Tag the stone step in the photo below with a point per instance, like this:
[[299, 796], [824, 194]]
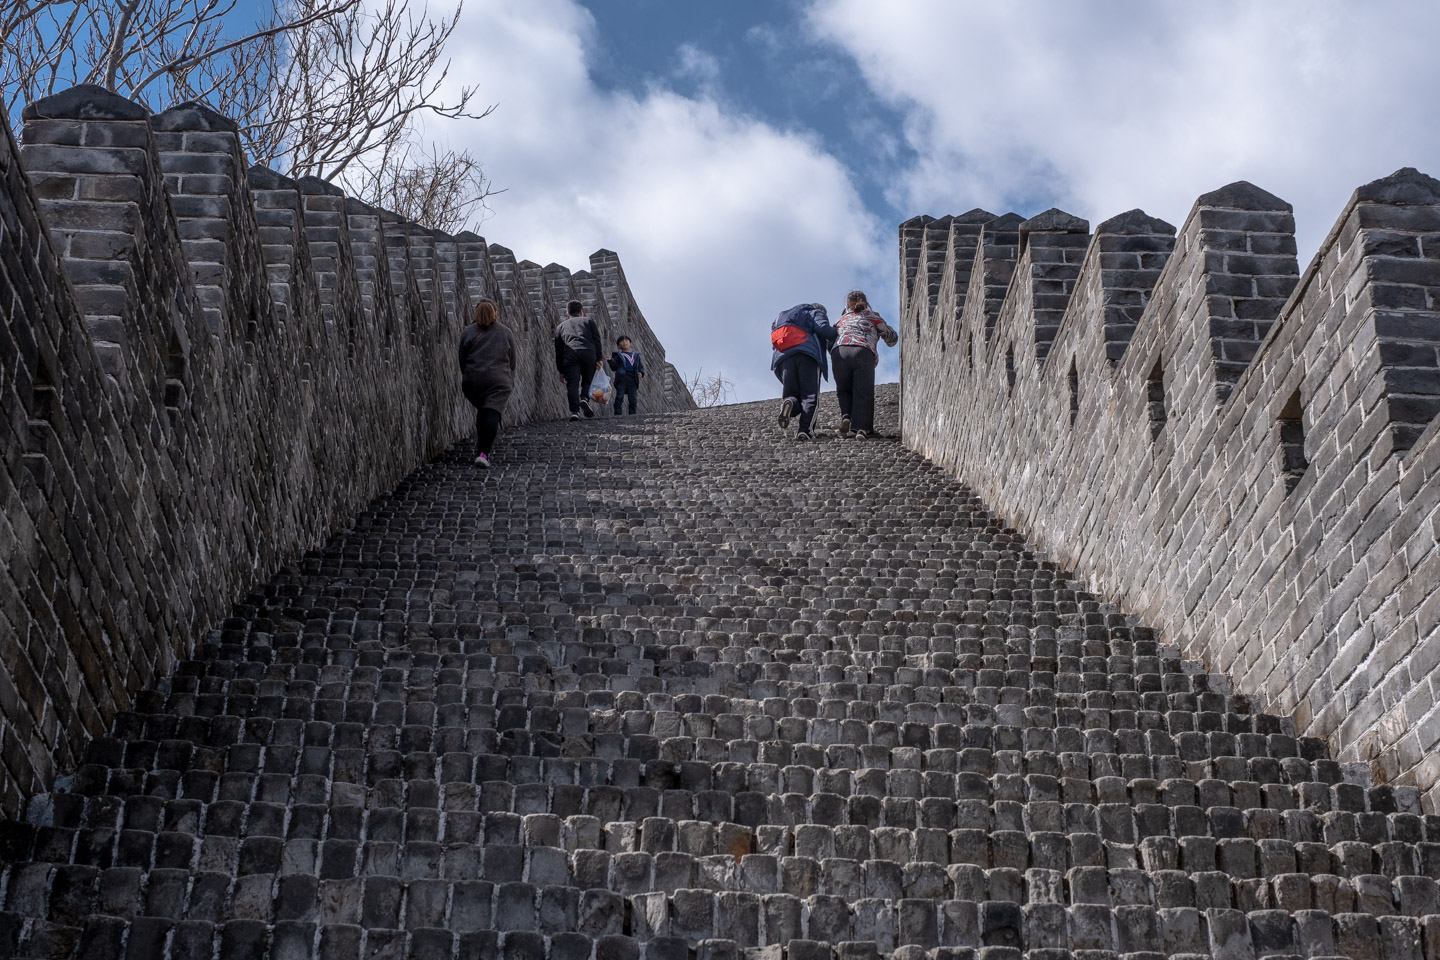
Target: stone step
[[465, 755], [682, 926], [509, 847], [767, 793], [813, 715]]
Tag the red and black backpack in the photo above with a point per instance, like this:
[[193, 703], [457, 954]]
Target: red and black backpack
[[787, 330]]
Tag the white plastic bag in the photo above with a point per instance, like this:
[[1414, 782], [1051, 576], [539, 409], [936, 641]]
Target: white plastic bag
[[600, 387]]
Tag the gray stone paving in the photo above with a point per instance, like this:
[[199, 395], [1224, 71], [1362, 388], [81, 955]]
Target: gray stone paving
[[677, 687]]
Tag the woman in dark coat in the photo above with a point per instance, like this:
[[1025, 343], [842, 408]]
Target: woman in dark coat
[[487, 371]]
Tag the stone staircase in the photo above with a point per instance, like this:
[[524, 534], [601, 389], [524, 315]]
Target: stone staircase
[[675, 687]]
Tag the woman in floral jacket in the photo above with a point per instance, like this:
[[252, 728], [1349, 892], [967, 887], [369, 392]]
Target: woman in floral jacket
[[854, 358]]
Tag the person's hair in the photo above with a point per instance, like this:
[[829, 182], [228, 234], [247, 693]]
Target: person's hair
[[486, 313], [575, 307], [622, 338], [855, 300]]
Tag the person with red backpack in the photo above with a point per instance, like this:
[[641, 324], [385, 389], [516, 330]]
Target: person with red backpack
[[800, 339]]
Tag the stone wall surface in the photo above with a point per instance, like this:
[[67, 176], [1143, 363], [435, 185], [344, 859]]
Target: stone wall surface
[[206, 370], [1242, 454]]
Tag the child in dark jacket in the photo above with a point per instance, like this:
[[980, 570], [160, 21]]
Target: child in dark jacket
[[627, 370]]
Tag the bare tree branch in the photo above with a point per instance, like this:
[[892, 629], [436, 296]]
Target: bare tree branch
[[128, 46], [189, 58], [710, 391], [325, 88], [443, 190], [351, 86]]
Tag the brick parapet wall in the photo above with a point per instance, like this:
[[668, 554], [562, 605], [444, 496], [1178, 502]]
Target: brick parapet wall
[[205, 370], [1237, 452]]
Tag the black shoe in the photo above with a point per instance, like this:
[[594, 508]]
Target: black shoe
[[586, 408], [574, 416], [845, 426], [802, 436], [787, 410]]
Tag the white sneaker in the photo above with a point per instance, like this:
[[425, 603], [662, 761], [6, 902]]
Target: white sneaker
[[844, 426], [574, 416], [482, 461], [802, 436]]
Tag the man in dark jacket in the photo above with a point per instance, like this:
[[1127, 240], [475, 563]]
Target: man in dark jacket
[[577, 357], [800, 367]]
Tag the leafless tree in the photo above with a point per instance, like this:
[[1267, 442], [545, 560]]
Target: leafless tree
[[151, 51], [711, 390], [347, 89], [441, 189], [324, 88]]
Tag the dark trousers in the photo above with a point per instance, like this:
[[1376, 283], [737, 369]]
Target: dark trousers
[[800, 378], [579, 370], [627, 387], [487, 422], [855, 385]]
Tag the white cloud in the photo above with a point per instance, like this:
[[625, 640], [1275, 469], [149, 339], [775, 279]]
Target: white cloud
[[698, 65], [1109, 105], [720, 220]]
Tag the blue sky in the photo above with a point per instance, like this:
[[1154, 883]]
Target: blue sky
[[759, 58]]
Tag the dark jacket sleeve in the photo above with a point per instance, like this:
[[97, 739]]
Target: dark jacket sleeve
[[592, 333], [559, 353], [514, 359], [824, 331], [464, 348], [614, 361]]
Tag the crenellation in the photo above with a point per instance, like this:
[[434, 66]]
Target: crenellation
[[205, 178], [1224, 446], [604, 265], [327, 234], [966, 232], [422, 257], [372, 266], [1051, 250], [454, 290], [101, 207], [995, 260], [545, 310], [1250, 270], [936, 245], [478, 271], [205, 370], [1133, 249], [503, 265], [912, 242], [279, 218]]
